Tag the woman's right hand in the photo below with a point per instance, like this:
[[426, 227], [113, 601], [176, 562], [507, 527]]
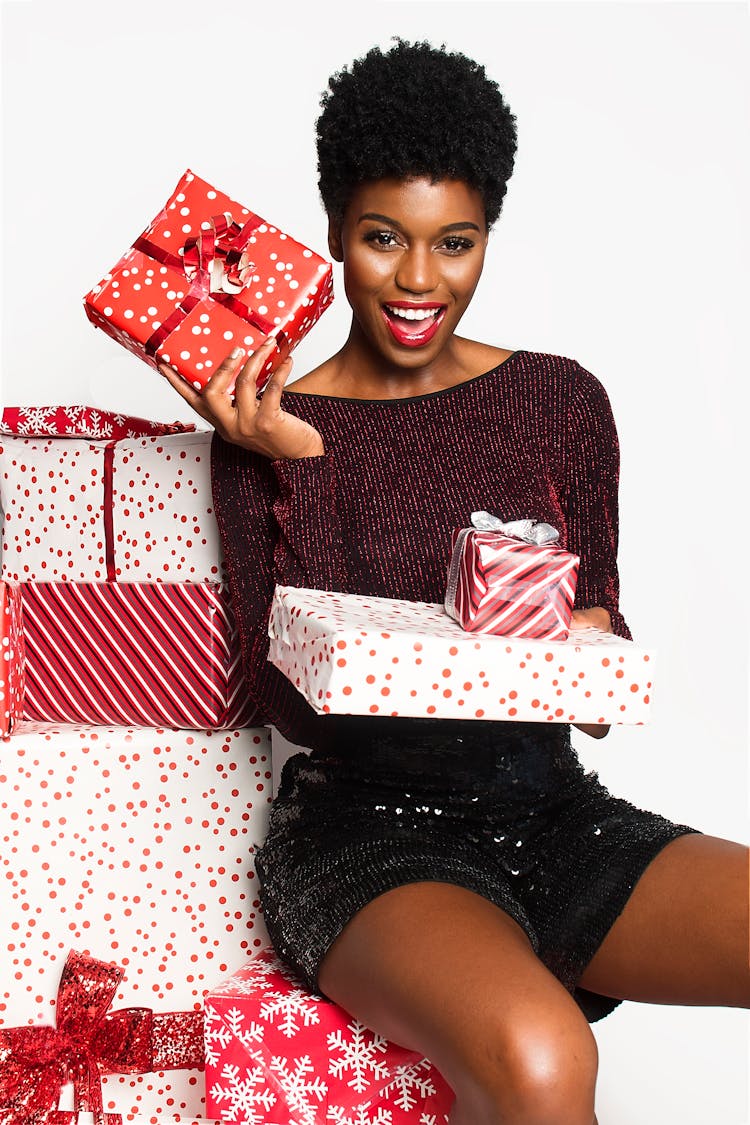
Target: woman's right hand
[[245, 419]]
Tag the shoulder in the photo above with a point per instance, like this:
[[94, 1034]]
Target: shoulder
[[562, 378]]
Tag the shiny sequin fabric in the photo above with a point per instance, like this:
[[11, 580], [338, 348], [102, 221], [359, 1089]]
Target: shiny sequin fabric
[[502, 809]]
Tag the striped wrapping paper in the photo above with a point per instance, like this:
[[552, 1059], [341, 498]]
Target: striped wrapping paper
[[133, 654], [502, 585], [11, 657]]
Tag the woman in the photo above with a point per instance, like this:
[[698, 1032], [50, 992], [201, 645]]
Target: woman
[[464, 888]]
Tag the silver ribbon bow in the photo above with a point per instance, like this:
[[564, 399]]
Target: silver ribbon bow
[[530, 532]]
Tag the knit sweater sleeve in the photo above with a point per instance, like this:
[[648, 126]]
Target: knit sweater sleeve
[[590, 496], [278, 524]]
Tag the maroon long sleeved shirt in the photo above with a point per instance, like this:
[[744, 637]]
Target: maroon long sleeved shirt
[[532, 439]]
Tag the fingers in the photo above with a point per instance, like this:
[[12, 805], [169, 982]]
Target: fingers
[[216, 405], [274, 388]]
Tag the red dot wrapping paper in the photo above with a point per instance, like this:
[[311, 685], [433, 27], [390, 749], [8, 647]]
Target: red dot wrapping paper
[[277, 1054], [165, 284], [133, 846], [128, 509], [354, 655]]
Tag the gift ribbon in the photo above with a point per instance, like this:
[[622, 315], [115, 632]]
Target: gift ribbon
[[89, 1040], [109, 504], [527, 530], [216, 265]]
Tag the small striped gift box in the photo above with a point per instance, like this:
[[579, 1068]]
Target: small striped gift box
[[133, 654], [502, 585]]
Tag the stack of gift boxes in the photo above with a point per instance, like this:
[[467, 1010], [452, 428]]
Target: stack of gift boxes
[[135, 785], [136, 779], [135, 776]]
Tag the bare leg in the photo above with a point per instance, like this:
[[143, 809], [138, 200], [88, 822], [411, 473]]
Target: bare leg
[[683, 935], [442, 971]]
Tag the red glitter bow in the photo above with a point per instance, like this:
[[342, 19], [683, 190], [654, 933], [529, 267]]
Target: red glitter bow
[[217, 264], [89, 1040]]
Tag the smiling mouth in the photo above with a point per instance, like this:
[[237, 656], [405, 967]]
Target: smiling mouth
[[413, 326]]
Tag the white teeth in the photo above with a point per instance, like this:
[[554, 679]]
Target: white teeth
[[413, 314]]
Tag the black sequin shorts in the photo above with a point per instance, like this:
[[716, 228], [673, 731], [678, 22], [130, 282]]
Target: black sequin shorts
[[505, 810]]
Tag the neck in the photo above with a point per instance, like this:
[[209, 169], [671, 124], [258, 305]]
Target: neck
[[362, 372]]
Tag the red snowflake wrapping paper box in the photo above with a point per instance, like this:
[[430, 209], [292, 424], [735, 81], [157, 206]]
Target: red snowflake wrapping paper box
[[510, 579], [277, 1054], [354, 655], [12, 657], [132, 845], [205, 276]]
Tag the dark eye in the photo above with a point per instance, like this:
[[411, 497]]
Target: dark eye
[[456, 245], [384, 238]]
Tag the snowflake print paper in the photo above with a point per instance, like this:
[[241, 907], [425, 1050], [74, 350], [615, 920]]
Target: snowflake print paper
[[320, 1066]]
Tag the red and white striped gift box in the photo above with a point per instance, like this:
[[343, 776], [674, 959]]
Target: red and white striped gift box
[[11, 657], [133, 654], [502, 585]]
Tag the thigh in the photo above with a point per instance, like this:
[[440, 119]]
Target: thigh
[[683, 935], [440, 970]]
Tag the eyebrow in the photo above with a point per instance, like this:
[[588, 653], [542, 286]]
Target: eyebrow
[[394, 223]]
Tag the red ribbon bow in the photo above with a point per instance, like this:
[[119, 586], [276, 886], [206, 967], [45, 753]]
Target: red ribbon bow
[[217, 264], [89, 1040]]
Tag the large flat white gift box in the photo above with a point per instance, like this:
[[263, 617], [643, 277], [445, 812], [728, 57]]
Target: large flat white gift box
[[354, 655], [134, 846]]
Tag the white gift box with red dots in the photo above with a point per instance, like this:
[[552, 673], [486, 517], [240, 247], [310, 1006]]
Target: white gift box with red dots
[[53, 494], [133, 845], [354, 655]]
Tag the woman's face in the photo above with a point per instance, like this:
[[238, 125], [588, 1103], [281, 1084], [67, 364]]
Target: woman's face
[[413, 252]]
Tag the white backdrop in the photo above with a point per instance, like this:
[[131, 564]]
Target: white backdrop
[[623, 243]]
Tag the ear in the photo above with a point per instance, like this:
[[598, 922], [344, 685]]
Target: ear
[[335, 245]]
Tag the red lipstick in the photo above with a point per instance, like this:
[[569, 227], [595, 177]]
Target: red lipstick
[[413, 332]]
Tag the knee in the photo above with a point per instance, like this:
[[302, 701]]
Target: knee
[[541, 1074]]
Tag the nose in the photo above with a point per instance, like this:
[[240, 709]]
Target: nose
[[417, 270]]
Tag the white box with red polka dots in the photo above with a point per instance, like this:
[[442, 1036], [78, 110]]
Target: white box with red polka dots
[[138, 509], [355, 655], [135, 846]]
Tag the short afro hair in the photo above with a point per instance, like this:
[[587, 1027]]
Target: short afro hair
[[416, 110]]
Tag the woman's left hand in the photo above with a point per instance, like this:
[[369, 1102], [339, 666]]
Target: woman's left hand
[[583, 619]]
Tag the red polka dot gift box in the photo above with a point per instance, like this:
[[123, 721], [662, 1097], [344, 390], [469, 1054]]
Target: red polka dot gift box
[[208, 275], [277, 1053], [89, 496], [355, 655], [12, 658], [133, 846]]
